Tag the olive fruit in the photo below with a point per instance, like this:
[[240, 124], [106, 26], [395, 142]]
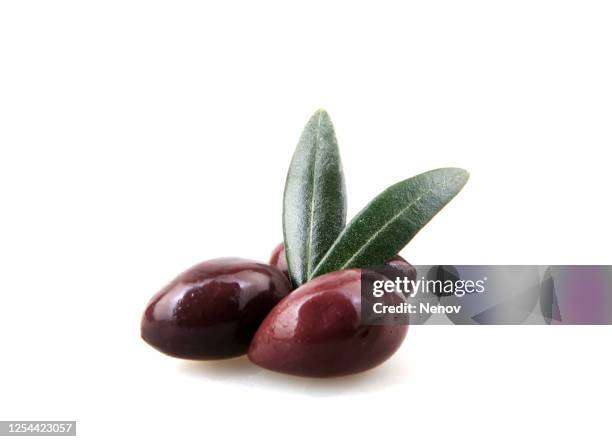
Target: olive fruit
[[279, 260], [317, 331], [212, 310], [398, 267]]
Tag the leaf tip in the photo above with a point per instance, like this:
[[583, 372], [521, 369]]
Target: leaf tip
[[322, 113], [461, 175]]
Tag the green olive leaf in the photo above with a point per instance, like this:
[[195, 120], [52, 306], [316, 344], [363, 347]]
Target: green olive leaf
[[391, 220], [314, 206]]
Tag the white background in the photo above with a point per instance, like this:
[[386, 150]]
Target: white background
[[138, 138]]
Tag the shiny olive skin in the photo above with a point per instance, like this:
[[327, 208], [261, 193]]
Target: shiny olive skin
[[401, 267], [316, 331], [212, 310], [279, 260]]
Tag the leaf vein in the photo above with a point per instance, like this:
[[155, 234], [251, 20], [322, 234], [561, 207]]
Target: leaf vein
[[312, 199]]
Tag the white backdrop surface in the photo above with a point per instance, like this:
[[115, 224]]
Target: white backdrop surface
[[138, 138]]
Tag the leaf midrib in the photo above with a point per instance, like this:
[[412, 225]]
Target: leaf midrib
[[312, 198]]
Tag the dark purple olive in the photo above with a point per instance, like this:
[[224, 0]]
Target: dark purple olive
[[400, 267], [212, 310], [279, 260], [317, 331]]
